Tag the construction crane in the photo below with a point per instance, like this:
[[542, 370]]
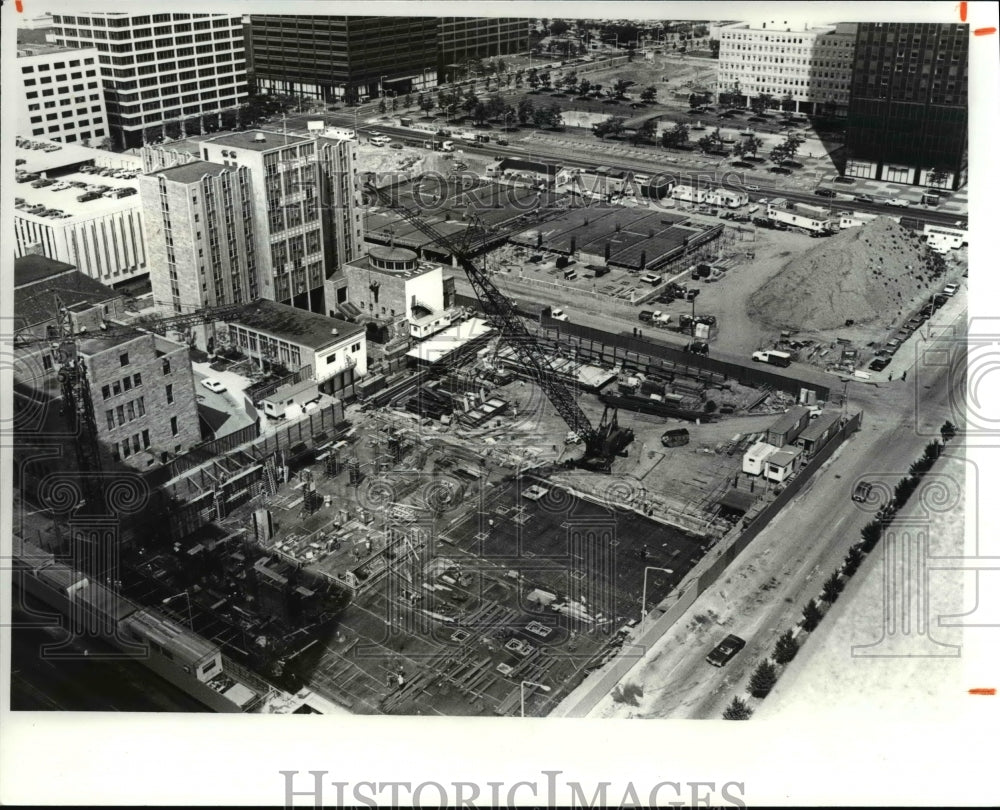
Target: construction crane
[[78, 406], [602, 443]]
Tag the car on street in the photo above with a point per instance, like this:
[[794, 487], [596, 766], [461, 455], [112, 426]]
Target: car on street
[[879, 363], [752, 188], [725, 650], [395, 146], [899, 203], [862, 491], [868, 198], [559, 315], [843, 179], [214, 386], [950, 290], [825, 192]]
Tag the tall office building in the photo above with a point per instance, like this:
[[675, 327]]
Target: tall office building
[[464, 38], [253, 215], [161, 68], [61, 93], [343, 58], [200, 232], [909, 109], [810, 65]]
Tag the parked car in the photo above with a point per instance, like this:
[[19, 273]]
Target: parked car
[[213, 385], [725, 651], [697, 347], [861, 492], [899, 203], [90, 195], [559, 315], [879, 363], [825, 192], [868, 198], [950, 290], [842, 179], [646, 315]]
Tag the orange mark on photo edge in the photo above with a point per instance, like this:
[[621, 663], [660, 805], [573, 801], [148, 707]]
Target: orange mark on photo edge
[[983, 691], [19, 6], [963, 11], [981, 32]]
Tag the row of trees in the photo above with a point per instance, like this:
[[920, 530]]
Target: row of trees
[[765, 676]]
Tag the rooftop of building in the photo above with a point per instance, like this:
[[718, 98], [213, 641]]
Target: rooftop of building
[[798, 26], [44, 49], [51, 155], [258, 140], [819, 425], [31, 269], [296, 325], [390, 253], [192, 172], [421, 266], [789, 419], [34, 301], [66, 201], [516, 164]]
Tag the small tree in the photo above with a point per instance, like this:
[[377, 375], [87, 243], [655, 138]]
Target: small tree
[[584, 87], [832, 588], [786, 648], [381, 106], [948, 431], [763, 680], [620, 88], [760, 102], [852, 562], [525, 110], [933, 451], [426, 103], [778, 155], [870, 535], [555, 117], [645, 133], [811, 615], [648, 95], [677, 136], [737, 710], [613, 126], [937, 177]]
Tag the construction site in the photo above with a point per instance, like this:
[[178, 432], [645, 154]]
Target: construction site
[[477, 530]]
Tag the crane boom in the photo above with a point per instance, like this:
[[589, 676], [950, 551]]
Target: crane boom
[[496, 304]]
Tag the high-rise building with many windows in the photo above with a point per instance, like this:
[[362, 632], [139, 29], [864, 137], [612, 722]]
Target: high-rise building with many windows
[[252, 215], [908, 120], [62, 95], [463, 38], [809, 66], [343, 58], [161, 68]]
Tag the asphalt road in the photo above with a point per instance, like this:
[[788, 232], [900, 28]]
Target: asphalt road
[[762, 594]]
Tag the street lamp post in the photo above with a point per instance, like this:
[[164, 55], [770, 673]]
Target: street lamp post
[[645, 574], [381, 91], [541, 686], [187, 596]]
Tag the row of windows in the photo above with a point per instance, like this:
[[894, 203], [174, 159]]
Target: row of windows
[[126, 412], [125, 384], [58, 66], [131, 444]]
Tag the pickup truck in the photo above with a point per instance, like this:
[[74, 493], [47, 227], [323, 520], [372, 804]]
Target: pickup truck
[[775, 358]]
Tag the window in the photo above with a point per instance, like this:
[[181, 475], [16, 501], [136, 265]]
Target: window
[[130, 410], [170, 394], [173, 425], [166, 365], [125, 449], [123, 358], [105, 391], [145, 440], [116, 388], [126, 384], [111, 419], [140, 405], [120, 412], [136, 380]]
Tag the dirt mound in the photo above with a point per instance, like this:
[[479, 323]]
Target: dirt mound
[[863, 274]]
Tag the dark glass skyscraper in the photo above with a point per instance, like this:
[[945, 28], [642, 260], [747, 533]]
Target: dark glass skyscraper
[[909, 109], [343, 57]]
